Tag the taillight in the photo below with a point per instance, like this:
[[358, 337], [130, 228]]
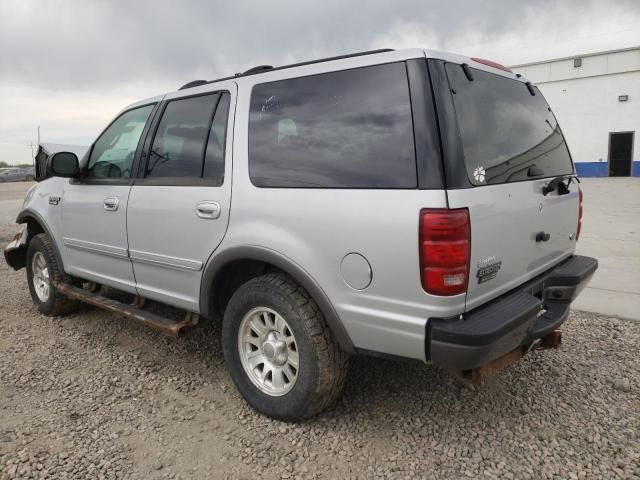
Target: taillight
[[445, 245], [579, 214]]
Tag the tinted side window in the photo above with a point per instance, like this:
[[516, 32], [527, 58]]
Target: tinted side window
[[348, 129], [214, 158], [179, 144], [113, 152]]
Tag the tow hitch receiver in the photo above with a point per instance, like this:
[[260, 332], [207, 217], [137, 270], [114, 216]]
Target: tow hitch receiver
[[553, 340], [477, 375]]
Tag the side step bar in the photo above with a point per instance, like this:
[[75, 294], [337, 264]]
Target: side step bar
[[161, 324]]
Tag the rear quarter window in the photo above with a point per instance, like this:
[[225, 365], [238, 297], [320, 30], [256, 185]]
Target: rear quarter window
[[504, 129], [347, 129]]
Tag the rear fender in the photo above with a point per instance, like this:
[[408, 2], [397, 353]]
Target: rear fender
[[283, 263]]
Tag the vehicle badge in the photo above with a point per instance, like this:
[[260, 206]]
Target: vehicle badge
[[479, 174], [488, 269]]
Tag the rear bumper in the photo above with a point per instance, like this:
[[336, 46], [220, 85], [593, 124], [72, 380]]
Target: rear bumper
[[532, 311]]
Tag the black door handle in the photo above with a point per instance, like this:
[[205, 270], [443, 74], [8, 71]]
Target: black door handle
[[543, 237]]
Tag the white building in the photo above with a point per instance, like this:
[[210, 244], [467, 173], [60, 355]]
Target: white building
[[596, 98]]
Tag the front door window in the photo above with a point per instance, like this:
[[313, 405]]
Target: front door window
[[112, 154]]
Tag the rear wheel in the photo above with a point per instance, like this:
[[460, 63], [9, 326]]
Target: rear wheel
[[279, 350], [42, 274]]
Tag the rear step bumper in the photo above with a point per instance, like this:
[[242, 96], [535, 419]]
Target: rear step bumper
[[519, 318]]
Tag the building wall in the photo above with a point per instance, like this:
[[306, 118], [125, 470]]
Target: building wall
[[585, 101]]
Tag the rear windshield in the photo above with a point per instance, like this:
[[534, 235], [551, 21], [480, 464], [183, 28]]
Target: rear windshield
[[505, 130]]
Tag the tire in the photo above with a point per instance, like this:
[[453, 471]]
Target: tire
[[321, 364], [52, 302]]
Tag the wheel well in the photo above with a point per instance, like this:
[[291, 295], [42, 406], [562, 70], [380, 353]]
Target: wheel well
[[232, 276], [232, 268], [33, 227]]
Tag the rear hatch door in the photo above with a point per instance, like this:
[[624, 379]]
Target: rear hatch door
[[512, 147]]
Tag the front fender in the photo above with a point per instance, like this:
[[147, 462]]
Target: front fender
[[35, 225]]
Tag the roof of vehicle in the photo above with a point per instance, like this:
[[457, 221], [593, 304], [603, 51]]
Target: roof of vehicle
[[264, 73]]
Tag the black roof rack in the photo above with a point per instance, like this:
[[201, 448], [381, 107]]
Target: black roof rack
[[195, 83], [258, 69], [269, 68]]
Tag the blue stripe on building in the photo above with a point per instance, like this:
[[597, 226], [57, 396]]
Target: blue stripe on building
[[601, 169]]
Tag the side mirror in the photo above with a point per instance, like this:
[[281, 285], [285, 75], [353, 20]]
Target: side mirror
[[64, 164]]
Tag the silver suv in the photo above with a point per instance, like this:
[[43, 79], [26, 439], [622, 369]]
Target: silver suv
[[405, 203]]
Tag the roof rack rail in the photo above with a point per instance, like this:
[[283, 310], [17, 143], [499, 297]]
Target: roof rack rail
[[258, 69], [339, 57], [269, 68], [194, 83]]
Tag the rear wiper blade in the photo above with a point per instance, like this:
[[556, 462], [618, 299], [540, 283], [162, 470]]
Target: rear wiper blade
[[557, 183]]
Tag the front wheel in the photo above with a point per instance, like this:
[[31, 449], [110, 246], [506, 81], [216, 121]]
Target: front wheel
[[279, 350], [42, 274]]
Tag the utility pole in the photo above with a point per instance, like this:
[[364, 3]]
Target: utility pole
[[33, 156]]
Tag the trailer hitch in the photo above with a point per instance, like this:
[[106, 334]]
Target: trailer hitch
[[477, 375]]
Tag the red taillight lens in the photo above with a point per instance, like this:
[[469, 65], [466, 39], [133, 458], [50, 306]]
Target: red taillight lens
[[445, 244], [579, 215]]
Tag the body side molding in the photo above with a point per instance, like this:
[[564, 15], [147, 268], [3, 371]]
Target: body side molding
[[165, 260], [100, 248]]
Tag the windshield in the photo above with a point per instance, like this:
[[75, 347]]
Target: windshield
[[505, 130]]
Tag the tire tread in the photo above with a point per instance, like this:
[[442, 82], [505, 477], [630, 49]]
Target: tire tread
[[332, 361], [61, 305]]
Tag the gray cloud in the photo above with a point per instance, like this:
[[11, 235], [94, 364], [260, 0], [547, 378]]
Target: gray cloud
[[100, 53], [80, 44]]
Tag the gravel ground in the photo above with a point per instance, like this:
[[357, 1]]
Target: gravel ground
[[93, 396]]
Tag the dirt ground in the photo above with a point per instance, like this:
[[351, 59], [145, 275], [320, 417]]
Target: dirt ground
[[93, 396]]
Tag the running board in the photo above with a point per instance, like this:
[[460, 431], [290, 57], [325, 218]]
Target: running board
[[161, 324]]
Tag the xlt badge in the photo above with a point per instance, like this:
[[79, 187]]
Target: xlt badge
[[488, 269]]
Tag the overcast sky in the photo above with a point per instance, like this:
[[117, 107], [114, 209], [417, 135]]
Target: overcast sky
[[69, 66]]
